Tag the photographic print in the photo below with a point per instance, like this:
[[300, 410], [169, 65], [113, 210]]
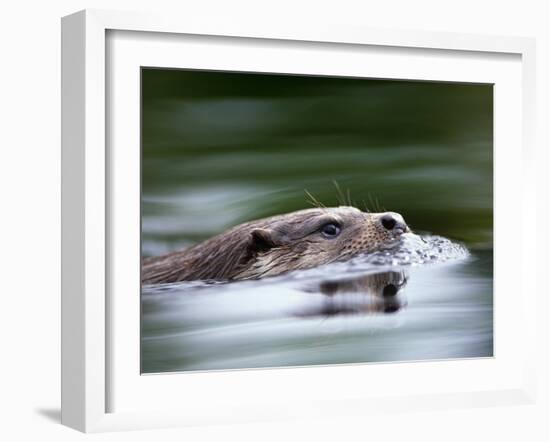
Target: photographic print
[[295, 220]]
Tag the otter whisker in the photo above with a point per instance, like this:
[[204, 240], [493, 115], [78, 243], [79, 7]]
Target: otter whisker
[[339, 194], [371, 201], [314, 201], [378, 207], [350, 202], [375, 203]]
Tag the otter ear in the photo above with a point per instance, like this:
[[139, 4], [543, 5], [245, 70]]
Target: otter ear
[[264, 239]]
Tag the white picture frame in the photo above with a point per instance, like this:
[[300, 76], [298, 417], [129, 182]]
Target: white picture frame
[[88, 232]]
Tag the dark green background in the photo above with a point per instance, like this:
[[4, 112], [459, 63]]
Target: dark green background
[[222, 148]]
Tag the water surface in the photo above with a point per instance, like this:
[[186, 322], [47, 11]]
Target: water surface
[[410, 303]]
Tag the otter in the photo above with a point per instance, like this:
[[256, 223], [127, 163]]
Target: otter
[[278, 244]]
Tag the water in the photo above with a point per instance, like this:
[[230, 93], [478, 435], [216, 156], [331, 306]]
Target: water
[[419, 301], [220, 149]]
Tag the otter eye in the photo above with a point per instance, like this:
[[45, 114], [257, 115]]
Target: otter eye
[[330, 230]]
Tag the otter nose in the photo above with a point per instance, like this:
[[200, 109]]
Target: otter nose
[[393, 222]]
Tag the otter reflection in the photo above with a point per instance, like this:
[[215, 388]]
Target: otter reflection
[[365, 294]]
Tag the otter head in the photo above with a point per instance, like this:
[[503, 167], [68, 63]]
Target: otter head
[[271, 246], [312, 237]]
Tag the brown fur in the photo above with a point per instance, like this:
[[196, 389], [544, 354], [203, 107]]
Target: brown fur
[[271, 246]]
